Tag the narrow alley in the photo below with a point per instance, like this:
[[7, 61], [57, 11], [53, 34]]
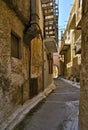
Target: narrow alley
[[58, 111], [42, 41]]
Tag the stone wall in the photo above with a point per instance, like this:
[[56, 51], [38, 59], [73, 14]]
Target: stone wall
[[41, 20], [21, 8], [83, 113], [69, 72], [47, 76], [36, 52], [36, 61], [14, 73], [76, 67]]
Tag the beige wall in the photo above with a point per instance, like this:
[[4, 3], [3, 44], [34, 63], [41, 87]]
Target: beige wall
[[41, 20], [36, 52], [83, 113], [36, 61], [14, 73], [21, 8], [47, 76]]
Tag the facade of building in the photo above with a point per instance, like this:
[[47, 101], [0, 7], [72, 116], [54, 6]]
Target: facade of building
[[77, 33], [36, 62], [71, 43], [50, 38], [14, 55], [26, 60], [20, 54], [83, 107], [65, 51]]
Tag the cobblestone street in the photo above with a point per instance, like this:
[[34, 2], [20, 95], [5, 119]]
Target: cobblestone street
[[58, 111]]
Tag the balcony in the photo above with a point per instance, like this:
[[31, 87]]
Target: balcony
[[50, 44], [65, 42], [48, 7], [50, 23], [46, 1], [64, 47]]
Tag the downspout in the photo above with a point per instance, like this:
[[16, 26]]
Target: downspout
[[33, 29], [42, 65]]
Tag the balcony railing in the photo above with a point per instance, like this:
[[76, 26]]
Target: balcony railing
[[64, 47], [50, 19], [51, 44]]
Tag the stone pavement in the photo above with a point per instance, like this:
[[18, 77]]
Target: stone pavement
[[72, 123], [75, 84], [59, 111]]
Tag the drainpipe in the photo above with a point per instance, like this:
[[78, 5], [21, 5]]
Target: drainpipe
[[33, 29], [42, 65]]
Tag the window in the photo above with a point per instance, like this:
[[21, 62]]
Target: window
[[15, 46]]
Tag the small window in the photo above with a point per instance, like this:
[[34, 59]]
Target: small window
[[15, 46]]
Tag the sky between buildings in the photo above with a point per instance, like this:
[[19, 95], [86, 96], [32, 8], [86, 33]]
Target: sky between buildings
[[64, 11]]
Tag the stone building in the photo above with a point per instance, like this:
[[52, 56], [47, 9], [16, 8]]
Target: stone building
[[71, 43], [65, 52], [83, 107], [14, 56], [50, 11], [25, 61], [78, 35], [21, 33]]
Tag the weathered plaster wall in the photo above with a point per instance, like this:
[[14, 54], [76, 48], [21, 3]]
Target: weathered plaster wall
[[47, 76], [21, 8], [83, 113], [76, 67], [36, 52], [36, 61], [14, 73], [69, 72], [41, 20]]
